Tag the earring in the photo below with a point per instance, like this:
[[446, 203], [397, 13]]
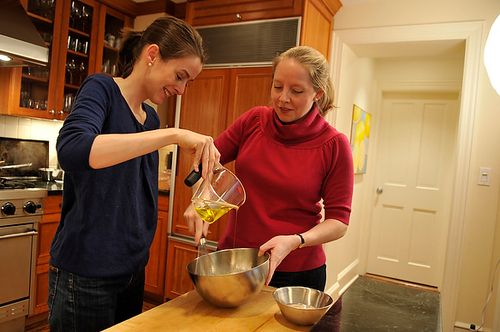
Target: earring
[[150, 64]]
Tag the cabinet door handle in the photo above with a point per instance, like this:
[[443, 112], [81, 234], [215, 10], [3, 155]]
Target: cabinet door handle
[[52, 111], [238, 17]]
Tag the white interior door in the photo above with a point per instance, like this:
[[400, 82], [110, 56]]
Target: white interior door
[[414, 172]]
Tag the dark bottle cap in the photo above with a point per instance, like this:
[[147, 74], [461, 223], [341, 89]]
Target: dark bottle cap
[[193, 177]]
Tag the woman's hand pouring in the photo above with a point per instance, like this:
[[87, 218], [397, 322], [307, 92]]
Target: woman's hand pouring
[[202, 149]]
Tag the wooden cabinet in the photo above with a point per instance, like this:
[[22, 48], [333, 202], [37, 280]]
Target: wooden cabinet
[[317, 16], [317, 25], [210, 104], [111, 23], [203, 110], [70, 31], [209, 12], [32, 90], [155, 270], [178, 281], [46, 231], [82, 37]]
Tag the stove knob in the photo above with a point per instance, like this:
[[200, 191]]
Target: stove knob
[[8, 209], [30, 207]]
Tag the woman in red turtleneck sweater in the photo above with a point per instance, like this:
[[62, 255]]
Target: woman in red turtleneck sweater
[[292, 163]]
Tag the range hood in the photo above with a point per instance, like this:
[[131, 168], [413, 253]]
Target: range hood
[[19, 39]]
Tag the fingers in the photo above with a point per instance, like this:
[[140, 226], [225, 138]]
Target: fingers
[[195, 224], [198, 230], [263, 248], [205, 228], [210, 159], [272, 268], [190, 218]]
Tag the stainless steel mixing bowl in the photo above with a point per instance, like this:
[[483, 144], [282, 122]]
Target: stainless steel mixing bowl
[[227, 278], [302, 305]]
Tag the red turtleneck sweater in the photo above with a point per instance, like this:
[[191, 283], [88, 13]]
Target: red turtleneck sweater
[[286, 170]]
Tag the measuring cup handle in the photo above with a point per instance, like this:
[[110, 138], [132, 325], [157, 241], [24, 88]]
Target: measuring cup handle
[[193, 177]]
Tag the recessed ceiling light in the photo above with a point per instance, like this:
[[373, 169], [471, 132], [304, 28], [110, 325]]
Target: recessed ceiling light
[[491, 53], [3, 57]]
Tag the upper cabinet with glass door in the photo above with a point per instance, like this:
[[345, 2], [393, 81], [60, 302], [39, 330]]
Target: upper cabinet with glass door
[[80, 35], [36, 95], [111, 25], [69, 27]]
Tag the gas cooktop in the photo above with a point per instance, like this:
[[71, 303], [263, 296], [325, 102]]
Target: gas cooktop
[[10, 183]]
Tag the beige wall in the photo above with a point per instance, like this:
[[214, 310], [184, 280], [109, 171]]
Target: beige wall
[[480, 248], [356, 87]]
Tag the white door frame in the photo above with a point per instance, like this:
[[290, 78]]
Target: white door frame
[[471, 33]]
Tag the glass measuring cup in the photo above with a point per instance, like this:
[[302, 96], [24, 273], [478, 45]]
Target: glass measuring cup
[[216, 197]]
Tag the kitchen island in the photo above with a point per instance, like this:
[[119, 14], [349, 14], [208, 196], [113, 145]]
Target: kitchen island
[[190, 312]]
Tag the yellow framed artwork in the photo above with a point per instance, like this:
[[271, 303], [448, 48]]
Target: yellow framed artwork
[[360, 134]]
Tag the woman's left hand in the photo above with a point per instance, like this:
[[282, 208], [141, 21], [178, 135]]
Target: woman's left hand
[[279, 247]]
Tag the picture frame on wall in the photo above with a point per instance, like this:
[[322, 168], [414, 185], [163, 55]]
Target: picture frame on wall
[[360, 135]]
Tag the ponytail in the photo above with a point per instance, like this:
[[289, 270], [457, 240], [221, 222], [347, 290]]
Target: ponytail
[[129, 52]]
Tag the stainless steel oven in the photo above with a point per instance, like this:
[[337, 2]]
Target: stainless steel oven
[[20, 213], [21, 199]]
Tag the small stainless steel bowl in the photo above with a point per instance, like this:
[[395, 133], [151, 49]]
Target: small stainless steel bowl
[[302, 305], [227, 278]]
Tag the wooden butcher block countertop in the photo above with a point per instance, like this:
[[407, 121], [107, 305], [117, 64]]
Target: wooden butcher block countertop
[[190, 312]]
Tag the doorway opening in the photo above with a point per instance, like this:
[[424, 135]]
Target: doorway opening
[[470, 33]]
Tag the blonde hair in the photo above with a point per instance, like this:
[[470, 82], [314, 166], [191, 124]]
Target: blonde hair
[[319, 72]]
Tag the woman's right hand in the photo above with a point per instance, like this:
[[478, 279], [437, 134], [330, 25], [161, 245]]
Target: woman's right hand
[[195, 224], [202, 149]]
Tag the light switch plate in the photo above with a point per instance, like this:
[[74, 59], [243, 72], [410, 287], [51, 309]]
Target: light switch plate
[[484, 176]]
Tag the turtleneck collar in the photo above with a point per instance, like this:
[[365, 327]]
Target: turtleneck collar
[[304, 129]]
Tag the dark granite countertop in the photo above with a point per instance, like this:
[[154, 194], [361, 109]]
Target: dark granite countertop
[[56, 188], [372, 305], [53, 187]]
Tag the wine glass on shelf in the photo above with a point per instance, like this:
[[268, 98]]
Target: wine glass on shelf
[[70, 72], [85, 19], [75, 15]]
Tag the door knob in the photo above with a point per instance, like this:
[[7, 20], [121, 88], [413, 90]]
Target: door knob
[[380, 190]]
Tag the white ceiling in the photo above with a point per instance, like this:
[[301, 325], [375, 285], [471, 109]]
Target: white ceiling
[[436, 48]]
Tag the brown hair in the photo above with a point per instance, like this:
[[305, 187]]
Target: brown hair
[[174, 37], [319, 73]]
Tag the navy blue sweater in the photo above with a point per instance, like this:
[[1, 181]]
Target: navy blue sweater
[[109, 215]]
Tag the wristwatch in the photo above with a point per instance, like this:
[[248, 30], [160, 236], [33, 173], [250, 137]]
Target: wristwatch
[[302, 241]]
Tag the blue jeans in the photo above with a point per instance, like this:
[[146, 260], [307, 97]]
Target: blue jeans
[[315, 278], [84, 304]]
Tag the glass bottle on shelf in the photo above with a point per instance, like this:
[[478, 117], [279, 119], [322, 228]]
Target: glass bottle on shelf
[[113, 26], [71, 72], [35, 84], [82, 72]]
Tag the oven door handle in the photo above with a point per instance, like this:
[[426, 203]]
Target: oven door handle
[[10, 236]]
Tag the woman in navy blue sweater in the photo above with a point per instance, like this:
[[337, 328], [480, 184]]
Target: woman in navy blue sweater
[[108, 149]]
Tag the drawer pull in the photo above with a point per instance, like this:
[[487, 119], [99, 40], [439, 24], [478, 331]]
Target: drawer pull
[[10, 236]]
